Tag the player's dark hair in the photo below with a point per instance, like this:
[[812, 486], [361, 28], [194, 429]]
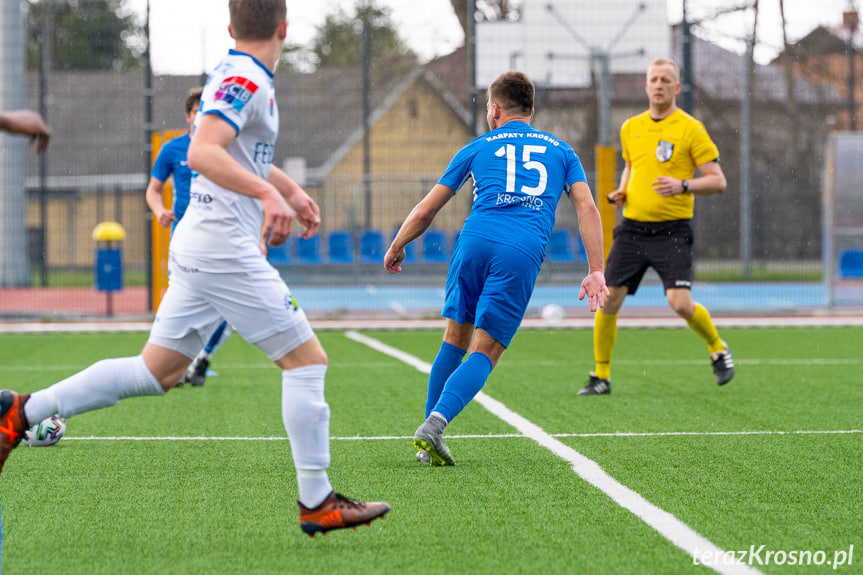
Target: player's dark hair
[[513, 91], [256, 19], [193, 97]]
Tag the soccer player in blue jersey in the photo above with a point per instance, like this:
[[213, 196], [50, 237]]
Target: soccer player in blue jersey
[[172, 161], [519, 174], [239, 200]]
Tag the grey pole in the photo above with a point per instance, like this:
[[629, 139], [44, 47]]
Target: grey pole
[[602, 61], [745, 168], [14, 268], [470, 43]]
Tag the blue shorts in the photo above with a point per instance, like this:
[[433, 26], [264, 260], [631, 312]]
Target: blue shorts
[[489, 285]]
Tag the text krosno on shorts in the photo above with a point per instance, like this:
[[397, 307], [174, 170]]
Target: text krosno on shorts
[[761, 555]]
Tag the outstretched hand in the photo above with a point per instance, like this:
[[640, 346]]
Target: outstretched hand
[[593, 286]]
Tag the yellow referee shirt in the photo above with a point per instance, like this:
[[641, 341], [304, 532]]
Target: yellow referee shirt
[[673, 147]]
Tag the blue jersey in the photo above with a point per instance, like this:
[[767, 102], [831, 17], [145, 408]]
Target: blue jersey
[[519, 174], [172, 159]]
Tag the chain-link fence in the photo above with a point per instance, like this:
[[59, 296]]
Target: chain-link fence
[[368, 142]]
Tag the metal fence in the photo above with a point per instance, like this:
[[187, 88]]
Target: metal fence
[[368, 157]]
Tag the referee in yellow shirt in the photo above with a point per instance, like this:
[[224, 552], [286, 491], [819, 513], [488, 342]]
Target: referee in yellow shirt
[[661, 147]]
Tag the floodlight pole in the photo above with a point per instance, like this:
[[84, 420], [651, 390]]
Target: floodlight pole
[[45, 52], [601, 62], [745, 164], [687, 90], [850, 22], [148, 150], [604, 161], [367, 112], [14, 268], [470, 43]]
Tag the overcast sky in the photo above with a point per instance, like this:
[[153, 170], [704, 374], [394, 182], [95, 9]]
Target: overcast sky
[[190, 36]]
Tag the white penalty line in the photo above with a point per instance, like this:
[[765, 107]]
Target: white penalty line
[[663, 522]]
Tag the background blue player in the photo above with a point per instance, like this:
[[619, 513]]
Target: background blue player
[[519, 174], [172, 161]]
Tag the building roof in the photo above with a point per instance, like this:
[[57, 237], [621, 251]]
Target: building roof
[[825, 40], [720, 75], [98, 118]]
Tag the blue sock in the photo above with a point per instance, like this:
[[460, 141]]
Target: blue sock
[[446, 361], [463, 385]]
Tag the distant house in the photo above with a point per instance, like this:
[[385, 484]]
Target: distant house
[[823, 58]]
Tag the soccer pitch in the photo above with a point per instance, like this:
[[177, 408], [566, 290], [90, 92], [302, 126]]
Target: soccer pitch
[[668, 472]]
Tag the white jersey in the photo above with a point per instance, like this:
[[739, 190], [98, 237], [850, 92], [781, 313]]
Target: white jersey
[[220, 227]]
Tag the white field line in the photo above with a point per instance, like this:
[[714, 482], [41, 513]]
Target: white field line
[[663, 522], [814, 362], [851, 317], [473, 436]]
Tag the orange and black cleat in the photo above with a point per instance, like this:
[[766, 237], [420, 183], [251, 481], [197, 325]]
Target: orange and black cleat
[[339, 512], [13, 422]]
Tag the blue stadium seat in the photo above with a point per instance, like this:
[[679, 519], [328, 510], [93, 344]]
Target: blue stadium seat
[[372, 247], [309, 250], [560, 246], [434, 246], [410, 250], [851, 264], [280, 255], [455, 236], [341, 247]]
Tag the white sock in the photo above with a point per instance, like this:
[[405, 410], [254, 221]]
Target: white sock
[[306, 416], [103, 384], [314, 487]]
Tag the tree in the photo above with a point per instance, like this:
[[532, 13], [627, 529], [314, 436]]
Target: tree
[[487, 11], [84, 35], [339, 40]]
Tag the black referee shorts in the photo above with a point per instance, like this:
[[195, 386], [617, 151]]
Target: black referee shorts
[[664, 246]]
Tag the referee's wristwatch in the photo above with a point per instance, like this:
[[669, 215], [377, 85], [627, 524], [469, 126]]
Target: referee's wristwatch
[[685, 184]]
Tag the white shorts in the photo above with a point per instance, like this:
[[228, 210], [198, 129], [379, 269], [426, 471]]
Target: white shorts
[[256, 302]]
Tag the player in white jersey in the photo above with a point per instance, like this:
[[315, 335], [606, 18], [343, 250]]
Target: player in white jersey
[[239, 203]]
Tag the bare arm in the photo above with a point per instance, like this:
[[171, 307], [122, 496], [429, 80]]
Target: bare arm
[[590, 226], [711, 181], [415, 224], [208, 156], [29, 123], [305, 208], [154, 200], [618, 196]]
